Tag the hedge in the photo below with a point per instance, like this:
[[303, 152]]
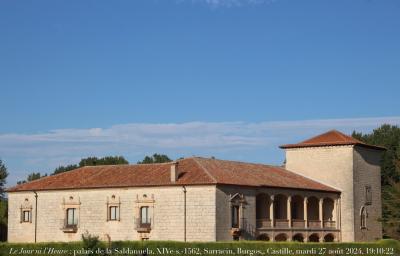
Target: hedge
[[251, 248]]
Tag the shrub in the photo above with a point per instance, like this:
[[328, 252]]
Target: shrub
[[91, 243]]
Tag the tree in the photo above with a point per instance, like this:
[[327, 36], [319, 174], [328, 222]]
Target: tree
[[391, 211], [3, 219], [108, 160], [156, 158], [67, 168], [31, 177], [3, 202], [388, 136], [3, 177], [92, 161]]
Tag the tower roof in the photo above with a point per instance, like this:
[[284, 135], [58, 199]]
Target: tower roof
[[331, 138]]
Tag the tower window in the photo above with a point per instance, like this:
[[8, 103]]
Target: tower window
[[363, 216], [368, 195]]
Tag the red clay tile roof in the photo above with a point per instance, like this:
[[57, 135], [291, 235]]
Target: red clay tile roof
[[193, 171], [331, 138]]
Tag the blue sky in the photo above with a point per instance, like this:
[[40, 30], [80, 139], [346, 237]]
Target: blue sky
[[229, 78]]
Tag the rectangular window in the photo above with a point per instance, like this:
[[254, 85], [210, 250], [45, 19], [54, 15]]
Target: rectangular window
[[114, 212], [368, 195], [26, 216], [72, 217], [235, 216], [144, 215]]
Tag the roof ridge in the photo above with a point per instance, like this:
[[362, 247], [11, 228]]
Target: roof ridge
[[237, 161], [344, 136], [205, 170], [129, 164]]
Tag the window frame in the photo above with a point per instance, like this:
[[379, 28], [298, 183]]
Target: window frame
[[29, 215], [116, 213], [147, 219], [75, 217]]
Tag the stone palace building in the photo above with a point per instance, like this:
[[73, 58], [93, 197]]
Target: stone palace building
[[328, 190]]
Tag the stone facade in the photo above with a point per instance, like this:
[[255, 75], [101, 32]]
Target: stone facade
[[208, 214], [166, 210], [349, 169], [367, 173]]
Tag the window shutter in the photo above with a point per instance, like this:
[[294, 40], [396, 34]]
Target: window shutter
[[108, 212], [76, 216], [119, 211], [151, 215]]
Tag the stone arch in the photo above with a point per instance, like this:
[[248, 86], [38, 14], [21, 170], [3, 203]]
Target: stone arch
[[313, 208], [282, 237], [298, 237], [263, 237], [297, 207], [280, 207], [262, 206], [328, 207], [329, 238], [313, 238]]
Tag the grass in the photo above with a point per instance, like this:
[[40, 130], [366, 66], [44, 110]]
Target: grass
[[382, 247]]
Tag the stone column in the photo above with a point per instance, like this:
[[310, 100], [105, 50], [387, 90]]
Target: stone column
[[271, 211], [305, 212], [334, 214], [289, 210], [321, 217], [337, 208], [241, 224]]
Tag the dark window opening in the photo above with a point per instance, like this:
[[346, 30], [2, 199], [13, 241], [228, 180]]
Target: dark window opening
[[235, 216], [363, 216], [368, 195], [294, 210]]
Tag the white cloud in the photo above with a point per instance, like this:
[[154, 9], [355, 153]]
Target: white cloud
[[45, 151]]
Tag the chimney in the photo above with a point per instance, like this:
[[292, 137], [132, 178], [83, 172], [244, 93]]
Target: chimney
[[174, 171]]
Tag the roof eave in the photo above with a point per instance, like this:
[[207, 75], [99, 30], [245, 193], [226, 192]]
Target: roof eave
[[289, 146], [332, 190], [112, 187]]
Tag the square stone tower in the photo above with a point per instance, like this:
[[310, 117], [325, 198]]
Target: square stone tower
[[350, 166]]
